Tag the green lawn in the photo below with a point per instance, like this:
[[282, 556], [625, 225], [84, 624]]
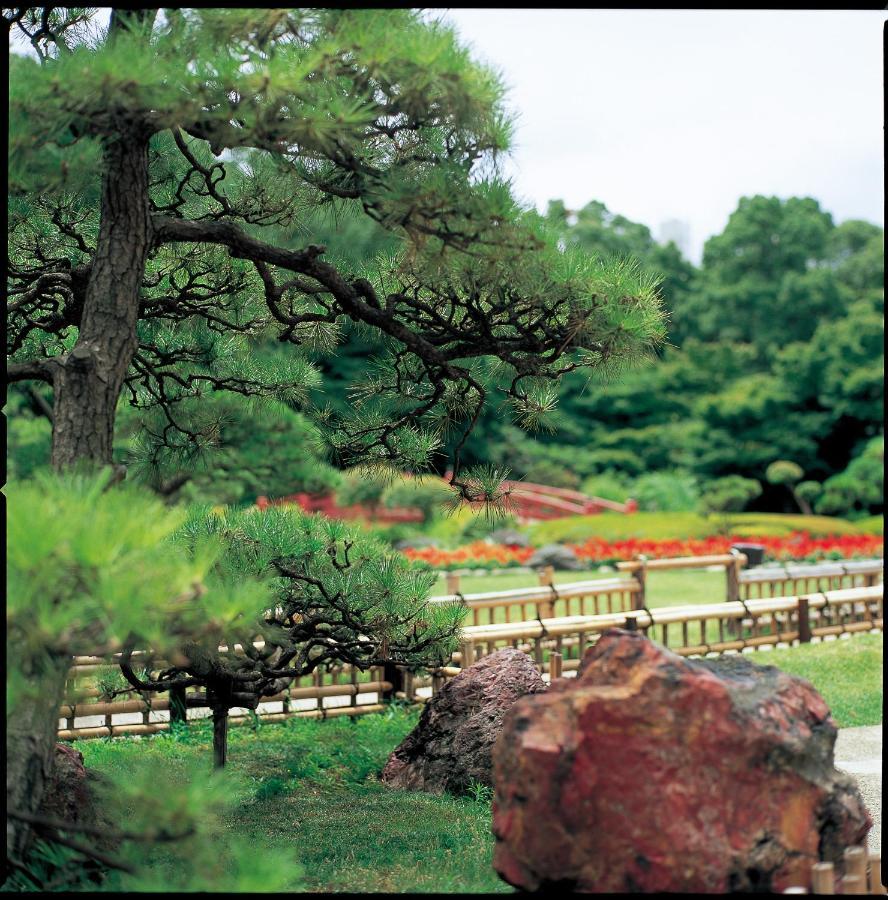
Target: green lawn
[[677, 587], [311, 787], [685, 525], [848, 673]]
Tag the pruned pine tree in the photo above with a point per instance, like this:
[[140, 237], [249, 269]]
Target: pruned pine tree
[[163, 168], [339, 597], [92, 570]]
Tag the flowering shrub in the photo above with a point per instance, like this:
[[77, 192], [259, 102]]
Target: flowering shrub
[[798, 546], [477, 555]]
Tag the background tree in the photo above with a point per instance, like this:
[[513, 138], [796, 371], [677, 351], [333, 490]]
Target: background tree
[[788, 473], [153, 166]]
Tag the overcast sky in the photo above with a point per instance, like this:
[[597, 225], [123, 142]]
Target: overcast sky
[[676, 114]]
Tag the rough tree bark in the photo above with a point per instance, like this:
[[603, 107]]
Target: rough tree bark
[[30, 745], [87, 383]]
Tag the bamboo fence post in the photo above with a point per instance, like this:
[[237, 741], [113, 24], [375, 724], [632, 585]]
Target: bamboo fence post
[[555, 662], [732, 578], [409, 688], [855, 865], [804, 615], [547, 579], [823, 878], [875, 876], [641, 578], [353, 700], [853, 884], [452, 582], [468, 654], [317, 678]]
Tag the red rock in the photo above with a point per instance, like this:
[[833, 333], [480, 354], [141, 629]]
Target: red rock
[[650, 772], [67, 792], [451, 745]]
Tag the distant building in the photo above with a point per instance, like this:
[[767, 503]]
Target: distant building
[[677, 231]]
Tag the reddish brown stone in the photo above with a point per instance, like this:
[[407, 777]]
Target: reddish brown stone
[[67, 793], [650, 772], [451, 745]]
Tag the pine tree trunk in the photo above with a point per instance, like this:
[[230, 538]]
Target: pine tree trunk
[[87, 385], [220, 736], [31, 731]]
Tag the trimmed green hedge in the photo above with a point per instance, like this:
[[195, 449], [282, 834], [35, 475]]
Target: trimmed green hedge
[[683, 525]]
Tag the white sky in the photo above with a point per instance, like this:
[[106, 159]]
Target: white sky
[[665, 114]]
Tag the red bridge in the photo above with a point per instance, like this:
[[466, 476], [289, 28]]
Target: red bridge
[[526, 500]]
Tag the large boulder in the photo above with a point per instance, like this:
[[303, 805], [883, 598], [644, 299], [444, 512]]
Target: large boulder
[[650, 772], [556, 555], [451, 745]]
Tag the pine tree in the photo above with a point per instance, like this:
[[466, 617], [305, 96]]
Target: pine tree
[[165, 171]]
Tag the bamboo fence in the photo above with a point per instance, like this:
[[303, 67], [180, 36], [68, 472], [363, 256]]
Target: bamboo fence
[[541, 621], [861, 874], [781, 581]]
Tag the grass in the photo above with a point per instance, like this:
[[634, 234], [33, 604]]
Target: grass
[[871, 524], [313, 786], [670, 588], [685, 525], [848, 673]]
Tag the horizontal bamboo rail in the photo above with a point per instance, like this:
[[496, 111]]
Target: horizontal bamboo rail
[[548, 600], [680, 562], [769, 621], [787, 580], [72, 734], [78, 710], [790, 571]]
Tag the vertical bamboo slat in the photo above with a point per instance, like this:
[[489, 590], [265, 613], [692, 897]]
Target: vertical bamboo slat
[[875, 875], [823, 879]]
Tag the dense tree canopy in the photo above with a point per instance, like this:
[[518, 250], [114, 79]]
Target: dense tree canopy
[[774, 352]]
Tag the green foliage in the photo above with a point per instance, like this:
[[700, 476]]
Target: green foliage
[[783, 471], [729, 494], [609, 485], [860, 487], [257, 448], [330, 772], [808, 491], [91, 569], [429, 494], [871, 524], [667, 491], [364, 486]]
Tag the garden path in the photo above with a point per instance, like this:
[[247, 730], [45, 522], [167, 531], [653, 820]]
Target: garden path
[[859, 753]]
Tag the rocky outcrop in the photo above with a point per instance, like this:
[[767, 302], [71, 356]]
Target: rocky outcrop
[[556, 555], [651, 772], [450, 748]]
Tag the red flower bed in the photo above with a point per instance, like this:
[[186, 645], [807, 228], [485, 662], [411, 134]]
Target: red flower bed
[[797, 546]]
